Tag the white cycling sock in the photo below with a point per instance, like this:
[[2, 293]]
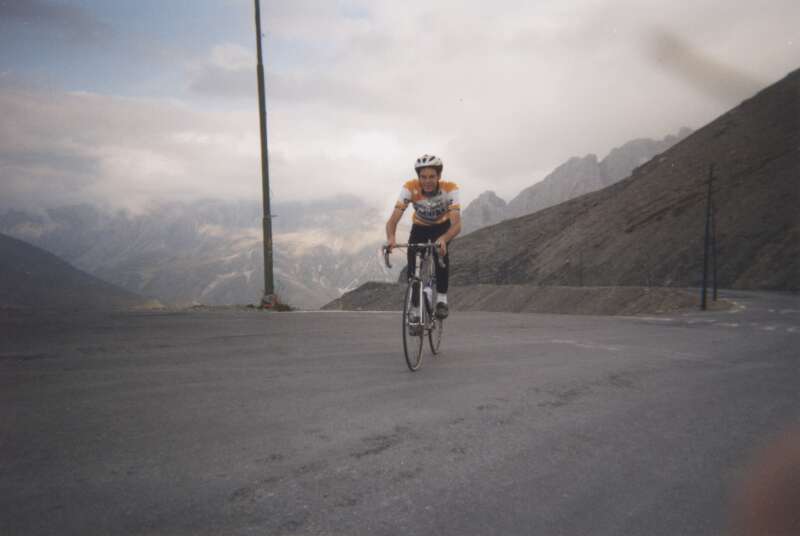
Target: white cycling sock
[[441, 298]]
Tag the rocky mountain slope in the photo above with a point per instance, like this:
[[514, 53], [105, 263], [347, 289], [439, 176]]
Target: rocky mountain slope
[[211, 251], [486, 209], [575, 177], [33, 278], [648, 229]]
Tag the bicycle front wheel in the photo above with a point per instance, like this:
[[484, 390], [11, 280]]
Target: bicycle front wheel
[[435, 335], [412, 335]]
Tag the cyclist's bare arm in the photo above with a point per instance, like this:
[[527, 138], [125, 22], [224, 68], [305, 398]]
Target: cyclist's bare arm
[[452, 232], [391, 227], [455, 225]]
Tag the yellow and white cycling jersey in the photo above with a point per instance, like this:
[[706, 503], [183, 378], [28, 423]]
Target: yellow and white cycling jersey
[[429, 210]]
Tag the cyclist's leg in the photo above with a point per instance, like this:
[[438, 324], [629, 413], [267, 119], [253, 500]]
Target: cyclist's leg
[[443, 280], [443, 274]]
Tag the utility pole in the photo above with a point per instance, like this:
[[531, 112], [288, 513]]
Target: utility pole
[[714, 247], [707, 238], [269, 298]]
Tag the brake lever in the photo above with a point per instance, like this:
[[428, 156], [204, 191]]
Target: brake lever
[[386, 254]]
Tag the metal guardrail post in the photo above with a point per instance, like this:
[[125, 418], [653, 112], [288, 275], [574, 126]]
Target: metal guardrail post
[[707, 238], [714, 247]]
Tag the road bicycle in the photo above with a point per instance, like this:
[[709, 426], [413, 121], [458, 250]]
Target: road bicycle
[[422, 286]]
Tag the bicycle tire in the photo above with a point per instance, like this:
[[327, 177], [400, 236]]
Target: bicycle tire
[[437, 325], [411, 348], [435, 336]]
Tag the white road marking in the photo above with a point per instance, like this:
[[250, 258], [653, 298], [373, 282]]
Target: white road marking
[[327, 312], [589, 345], [728, 324], [768, 328], [684, 356], [737, 307]]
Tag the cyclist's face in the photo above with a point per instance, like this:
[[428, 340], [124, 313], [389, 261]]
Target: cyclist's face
[[428, 178]]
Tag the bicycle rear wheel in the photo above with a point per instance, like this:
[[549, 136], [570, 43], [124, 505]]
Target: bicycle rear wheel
[[412, 343]]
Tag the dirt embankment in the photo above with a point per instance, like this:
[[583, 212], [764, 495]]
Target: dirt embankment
[[535, 299]]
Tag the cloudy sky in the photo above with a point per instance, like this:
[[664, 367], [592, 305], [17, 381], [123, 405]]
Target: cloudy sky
[[125, 103]]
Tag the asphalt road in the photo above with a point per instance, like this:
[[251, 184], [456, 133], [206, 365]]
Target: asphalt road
[[243, 422]]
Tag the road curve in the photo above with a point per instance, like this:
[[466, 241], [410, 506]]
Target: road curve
[[241, 422]]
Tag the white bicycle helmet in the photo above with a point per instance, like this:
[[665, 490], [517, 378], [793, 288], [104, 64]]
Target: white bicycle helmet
[[429, 160]]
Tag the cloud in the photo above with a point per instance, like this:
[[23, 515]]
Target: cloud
[[507, 92], [69, 147], [229, 71], [504, 92], [717, 79], [54, 21]]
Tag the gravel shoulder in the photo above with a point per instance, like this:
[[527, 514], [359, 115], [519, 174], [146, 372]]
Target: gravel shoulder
[[537, 299]]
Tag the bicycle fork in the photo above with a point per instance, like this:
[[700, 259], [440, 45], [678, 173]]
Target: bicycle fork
[[423, 300], [418, 292]]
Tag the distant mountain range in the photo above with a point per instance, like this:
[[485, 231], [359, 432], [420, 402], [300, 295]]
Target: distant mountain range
[[642, 230], [33, 278], [211, 251], [575, 177]]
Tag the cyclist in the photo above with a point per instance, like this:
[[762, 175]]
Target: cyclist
[[437, 217]]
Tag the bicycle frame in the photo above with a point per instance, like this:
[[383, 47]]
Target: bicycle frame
[[422, 277], [425, 278]]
